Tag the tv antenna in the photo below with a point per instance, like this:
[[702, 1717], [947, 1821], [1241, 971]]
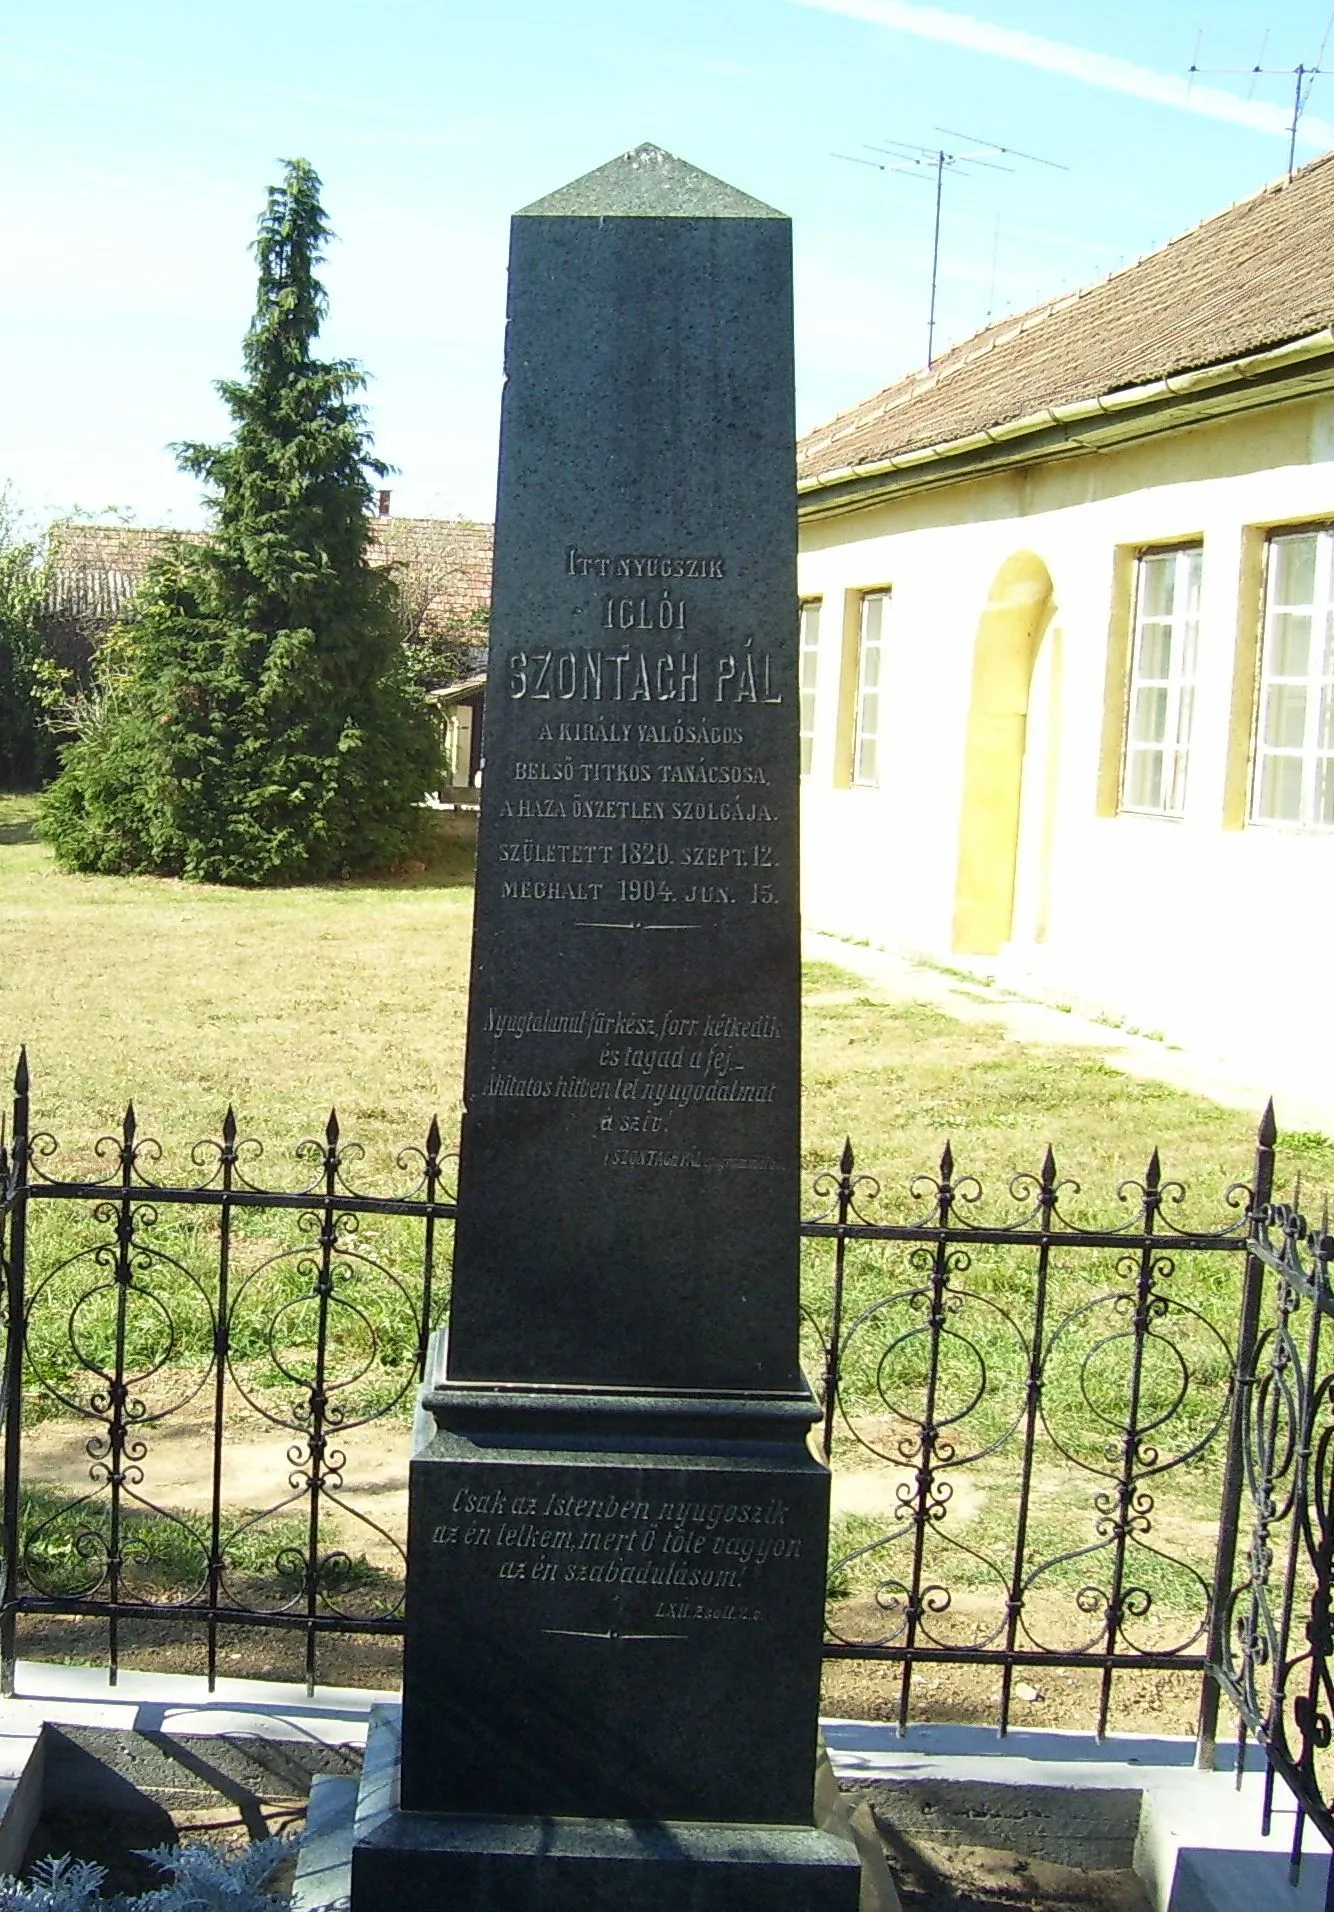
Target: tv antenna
[[1303, 79], [920, 162]]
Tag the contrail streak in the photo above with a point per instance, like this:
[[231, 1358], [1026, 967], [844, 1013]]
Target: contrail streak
[[1077, 63]]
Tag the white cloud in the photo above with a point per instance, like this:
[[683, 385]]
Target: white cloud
[[1076, 63]]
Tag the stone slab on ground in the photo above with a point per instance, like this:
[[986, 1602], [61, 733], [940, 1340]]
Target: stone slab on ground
[[324, 1864], [781, 1865], [1197, 1844], [1196, 1837]]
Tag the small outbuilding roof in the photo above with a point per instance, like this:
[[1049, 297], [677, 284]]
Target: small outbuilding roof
[[1258, 276], [445, 564], [463, 690]]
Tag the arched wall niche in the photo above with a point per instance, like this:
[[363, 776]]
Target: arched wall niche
[[1009, 634]]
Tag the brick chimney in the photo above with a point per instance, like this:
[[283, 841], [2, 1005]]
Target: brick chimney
[[384, 504]]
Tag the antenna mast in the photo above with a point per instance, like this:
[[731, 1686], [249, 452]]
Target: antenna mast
[[919, 162], [1303, 79]]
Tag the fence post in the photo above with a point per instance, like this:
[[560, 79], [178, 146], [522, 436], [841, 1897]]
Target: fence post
[[432, 1190], [16, 1308], [832, 1351], [1243, 1380]]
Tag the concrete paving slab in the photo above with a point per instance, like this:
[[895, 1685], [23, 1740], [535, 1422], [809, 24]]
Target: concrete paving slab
[[324, 1864], [181, 1703], [1198, 1844]]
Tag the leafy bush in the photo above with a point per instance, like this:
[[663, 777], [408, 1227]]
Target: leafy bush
[[201, 1879]]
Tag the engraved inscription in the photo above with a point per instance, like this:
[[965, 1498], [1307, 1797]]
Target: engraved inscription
[[626, 676], [643, 728], [636, 1072], [601, 564], [601, 768], [643, 614], [665, 1547]]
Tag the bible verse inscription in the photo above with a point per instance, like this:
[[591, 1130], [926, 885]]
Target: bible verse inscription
[[679, 1550]]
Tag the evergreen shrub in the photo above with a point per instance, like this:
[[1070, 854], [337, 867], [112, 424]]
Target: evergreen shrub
[[253, 720]]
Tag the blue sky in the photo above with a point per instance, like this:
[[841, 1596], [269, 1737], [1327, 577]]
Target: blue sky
[[140, 136]]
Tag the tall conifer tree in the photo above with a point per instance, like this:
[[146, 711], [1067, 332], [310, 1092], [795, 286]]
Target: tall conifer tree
[[255, 723]]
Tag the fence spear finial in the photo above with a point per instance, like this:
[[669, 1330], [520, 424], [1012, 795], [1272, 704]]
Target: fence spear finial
[[1268, 1133]]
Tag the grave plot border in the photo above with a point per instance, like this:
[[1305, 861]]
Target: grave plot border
[[1268, 1432]]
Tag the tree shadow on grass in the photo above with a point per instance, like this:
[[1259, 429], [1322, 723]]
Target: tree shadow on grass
[[18, 816], [448, 862]]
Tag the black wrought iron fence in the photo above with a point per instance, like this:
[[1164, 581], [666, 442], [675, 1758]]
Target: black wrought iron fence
[[1275, 1631], [143, 1317], [1028, 1405], [1043, 1401]]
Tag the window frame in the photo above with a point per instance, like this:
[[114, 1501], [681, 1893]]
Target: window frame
[[864, 693], [1317, 681], [1174, 743], [808, 652]]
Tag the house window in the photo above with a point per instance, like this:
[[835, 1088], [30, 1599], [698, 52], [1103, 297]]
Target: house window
[[1162, 681], [1294, 746], [807, 657], [866, 724]]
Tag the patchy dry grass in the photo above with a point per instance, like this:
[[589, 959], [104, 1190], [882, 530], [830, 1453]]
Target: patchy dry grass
[[285, 1002], [186, 998], [903, 1078]]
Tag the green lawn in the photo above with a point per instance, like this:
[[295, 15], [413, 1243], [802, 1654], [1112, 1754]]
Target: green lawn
[[288, 1002], [352, 995]]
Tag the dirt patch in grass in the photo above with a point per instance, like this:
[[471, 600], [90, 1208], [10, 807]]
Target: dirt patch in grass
[[960, 1878]]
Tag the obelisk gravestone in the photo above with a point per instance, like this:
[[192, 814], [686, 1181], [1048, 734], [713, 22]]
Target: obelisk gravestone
[[617, 1533]]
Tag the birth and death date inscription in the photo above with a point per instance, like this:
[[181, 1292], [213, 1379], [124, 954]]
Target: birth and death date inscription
[[646, 724]]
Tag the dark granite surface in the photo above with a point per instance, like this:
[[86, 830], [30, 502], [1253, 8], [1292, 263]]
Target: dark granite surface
[[617, 1534], [649, 183], [629, 1171], [568, 1865], [614, 1634]]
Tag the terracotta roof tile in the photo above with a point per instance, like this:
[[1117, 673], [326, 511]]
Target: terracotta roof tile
[[446, 563], [1257, 275]]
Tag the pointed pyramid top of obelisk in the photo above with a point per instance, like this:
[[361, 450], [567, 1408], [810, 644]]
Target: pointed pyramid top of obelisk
[[648, 184]]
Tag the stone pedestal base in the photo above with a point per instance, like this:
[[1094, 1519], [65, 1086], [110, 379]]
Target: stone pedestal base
[[611, 1663], [614, 1608], [478, 1864]]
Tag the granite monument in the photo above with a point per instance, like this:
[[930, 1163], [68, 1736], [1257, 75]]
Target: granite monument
[[617, 1529]]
